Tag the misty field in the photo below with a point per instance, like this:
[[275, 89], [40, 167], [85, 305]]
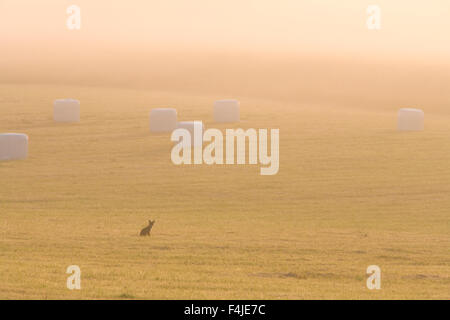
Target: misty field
[[351, 192]]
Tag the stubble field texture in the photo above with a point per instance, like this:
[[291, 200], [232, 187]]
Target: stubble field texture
[[351, 192]]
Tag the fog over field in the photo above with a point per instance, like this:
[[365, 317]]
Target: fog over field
[[295, 50]]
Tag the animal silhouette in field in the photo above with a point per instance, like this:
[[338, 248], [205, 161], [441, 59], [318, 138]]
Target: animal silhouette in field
[[146, 230]]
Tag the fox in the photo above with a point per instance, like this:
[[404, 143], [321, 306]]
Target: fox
[[146, 230]]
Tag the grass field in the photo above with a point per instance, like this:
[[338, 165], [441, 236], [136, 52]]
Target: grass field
[[351, 192]]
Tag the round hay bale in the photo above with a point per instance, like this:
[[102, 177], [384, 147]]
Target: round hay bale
[[226, 111], [163, 120], [196, 141], [66, 110], [13, 146], [410, 119]]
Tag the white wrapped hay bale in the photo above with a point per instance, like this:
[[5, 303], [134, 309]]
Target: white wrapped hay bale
[[226, 111], [196, 129], [410, 119], [163, 120], [66, 110], [13, 146]]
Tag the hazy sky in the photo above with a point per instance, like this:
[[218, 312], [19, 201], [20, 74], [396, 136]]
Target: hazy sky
[[293, 49], [408, 26]]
